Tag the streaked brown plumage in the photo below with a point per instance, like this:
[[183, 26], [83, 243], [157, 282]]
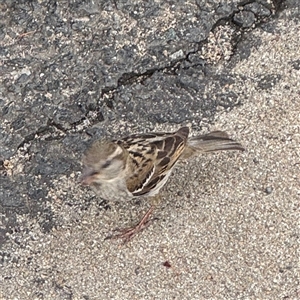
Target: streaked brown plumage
[[140, 164]]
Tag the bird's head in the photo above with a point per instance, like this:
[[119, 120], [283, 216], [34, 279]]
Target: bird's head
[[103, 161]]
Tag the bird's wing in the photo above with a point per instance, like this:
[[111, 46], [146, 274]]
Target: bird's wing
[[151, 157]]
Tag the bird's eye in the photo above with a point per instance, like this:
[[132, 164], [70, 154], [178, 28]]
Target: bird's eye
[[106, 165]]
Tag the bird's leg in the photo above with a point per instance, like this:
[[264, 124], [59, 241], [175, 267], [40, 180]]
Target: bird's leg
[[128, 233]]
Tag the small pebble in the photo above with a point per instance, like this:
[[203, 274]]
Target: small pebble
[[269, 190]]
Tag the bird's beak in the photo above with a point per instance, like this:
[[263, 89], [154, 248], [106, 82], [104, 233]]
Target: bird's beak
[[87, 177]]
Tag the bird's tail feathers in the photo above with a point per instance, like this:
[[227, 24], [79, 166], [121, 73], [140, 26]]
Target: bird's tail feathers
[[213, 141]]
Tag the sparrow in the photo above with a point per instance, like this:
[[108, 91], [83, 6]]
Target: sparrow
[[139, 165]]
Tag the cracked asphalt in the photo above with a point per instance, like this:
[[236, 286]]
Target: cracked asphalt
[[75, 71]]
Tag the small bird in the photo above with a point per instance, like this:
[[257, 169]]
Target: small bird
[[140, 165]]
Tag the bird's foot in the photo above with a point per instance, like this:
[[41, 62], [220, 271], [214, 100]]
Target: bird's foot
[[128, 234]]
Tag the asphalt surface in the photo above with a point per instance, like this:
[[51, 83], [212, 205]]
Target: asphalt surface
[[228, 223]]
